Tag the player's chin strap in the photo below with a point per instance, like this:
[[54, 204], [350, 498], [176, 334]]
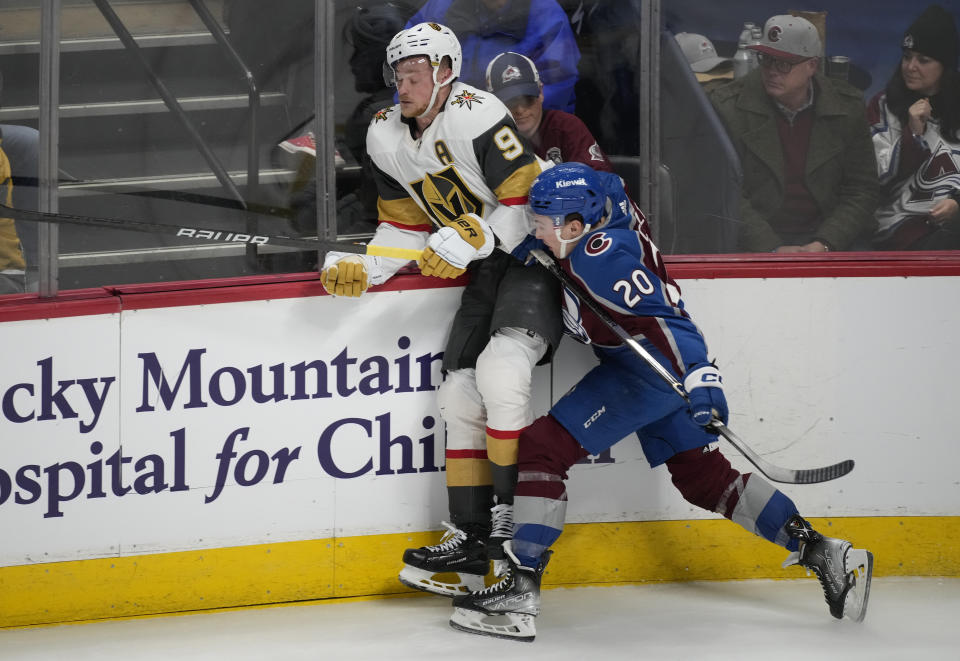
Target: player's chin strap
[[436, 90], [775, 473], [566, 244]]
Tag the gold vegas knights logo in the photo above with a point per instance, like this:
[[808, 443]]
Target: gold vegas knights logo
[[466, 98], [446, 196]]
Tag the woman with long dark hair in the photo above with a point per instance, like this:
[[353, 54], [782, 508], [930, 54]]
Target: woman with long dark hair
[[916, 136]]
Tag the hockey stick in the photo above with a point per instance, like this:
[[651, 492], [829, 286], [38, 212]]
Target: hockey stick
[[775, 473], [222, 236]]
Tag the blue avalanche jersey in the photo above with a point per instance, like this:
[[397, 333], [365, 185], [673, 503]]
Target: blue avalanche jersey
[[619, 265]]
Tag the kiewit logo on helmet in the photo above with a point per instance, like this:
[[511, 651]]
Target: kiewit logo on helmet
[[435, 26], [773, 34], [571, 182]]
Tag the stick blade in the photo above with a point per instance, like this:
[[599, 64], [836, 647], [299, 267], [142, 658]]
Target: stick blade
[[778, 473], [804, 475], [825, 474]]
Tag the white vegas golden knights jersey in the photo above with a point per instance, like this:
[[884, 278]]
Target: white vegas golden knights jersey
[[470, 159]]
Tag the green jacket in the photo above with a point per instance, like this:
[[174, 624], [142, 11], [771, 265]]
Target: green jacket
[[841, 169]]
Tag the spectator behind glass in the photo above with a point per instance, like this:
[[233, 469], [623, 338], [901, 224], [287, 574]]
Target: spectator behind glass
[[369, 29], [555, 135], [537, 28], [12, 263], [809, 173], [607, 90], [22, 146], [915, 121], [710, 69], [19, 158]]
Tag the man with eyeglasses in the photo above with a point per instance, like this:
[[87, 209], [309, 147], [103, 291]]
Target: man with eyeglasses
[[809, 171]]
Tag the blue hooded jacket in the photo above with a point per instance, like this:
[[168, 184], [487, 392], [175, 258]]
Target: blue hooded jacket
[[548, 41]]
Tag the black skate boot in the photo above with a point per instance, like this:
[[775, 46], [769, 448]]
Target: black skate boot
[[455, 566], [844, 571], [506, 609]]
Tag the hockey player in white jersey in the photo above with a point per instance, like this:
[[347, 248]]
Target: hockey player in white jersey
[[601, 240], [449, 156]]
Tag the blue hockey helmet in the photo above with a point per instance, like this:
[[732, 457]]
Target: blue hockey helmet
[[568, 188], [565, 189]]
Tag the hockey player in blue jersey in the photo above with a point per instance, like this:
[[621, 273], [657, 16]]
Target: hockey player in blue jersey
[[601, 239]]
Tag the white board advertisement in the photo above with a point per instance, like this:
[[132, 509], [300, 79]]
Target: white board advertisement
[[204, 426]]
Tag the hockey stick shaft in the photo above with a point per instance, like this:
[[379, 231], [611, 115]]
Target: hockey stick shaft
[[775, 473], [220, 236]]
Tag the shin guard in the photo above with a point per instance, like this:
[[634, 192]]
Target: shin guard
[[706, 479], [546, 453]]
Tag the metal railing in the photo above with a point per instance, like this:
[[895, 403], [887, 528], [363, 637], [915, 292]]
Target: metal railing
[[173, 103], [176, 107]]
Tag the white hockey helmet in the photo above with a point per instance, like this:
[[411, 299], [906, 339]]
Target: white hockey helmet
[[432, 40]]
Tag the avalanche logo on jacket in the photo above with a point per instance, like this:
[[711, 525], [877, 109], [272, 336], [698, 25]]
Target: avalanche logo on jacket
[[572, 318]]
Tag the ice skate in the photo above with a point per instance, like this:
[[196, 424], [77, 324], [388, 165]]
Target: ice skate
[[501, 517], [508, 608], [844, 571], [455, 566]]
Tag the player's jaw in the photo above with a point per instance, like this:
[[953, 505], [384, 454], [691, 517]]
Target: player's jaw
[[414, 81], [543, 231], [414, 98], [547, 232], [410, 107]]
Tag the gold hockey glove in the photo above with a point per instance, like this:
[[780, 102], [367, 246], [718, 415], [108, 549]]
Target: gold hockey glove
[[345, 277], [452, 247]]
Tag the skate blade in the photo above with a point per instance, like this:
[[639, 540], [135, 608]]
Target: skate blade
[[859, 566], [509, 626], [425, 581]]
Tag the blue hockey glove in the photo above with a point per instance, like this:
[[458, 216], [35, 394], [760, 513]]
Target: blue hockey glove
[[704, 386], [522, 251]]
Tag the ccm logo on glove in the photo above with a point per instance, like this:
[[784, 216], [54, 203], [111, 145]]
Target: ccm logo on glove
[[704, 387]]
